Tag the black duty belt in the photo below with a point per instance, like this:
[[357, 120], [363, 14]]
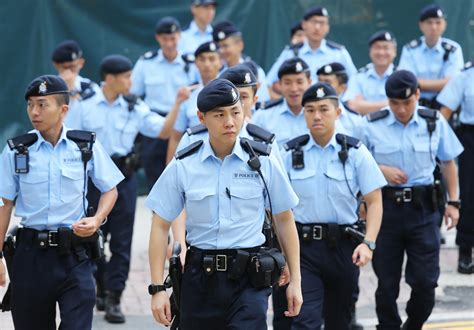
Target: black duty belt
[[51, 238], [215, 260], [318, 231], [466, 127], [407, 194]]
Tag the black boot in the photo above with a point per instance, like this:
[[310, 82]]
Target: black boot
[[113, 312], [465, 265], [100, 300], [354, 324]]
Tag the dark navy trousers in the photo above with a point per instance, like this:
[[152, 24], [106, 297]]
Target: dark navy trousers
[[118, 231], [465, 227], [328, 279], [414, 231], [153, 158], [40, 278]]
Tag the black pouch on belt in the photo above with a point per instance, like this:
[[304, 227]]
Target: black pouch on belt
[[239, 266], [97, 246], [266, 268], [334, 235], [64, 241]]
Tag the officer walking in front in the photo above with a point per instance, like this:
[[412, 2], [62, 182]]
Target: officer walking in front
[[46, 172], [327, 169], [117, 118], [405, 140], [224, 197], [432, 58], [459, 94]]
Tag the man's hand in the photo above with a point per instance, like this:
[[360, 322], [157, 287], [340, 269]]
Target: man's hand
[[184, 93], [451, 216], [362, 255], [160, 307], [3, 273], [294, 298], [86, 226], [394, 175]]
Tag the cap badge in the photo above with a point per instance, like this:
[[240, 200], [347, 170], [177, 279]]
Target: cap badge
[[212, 46], [320, 93], [234, 95], [247, 79], [439, 13], [221, 35], [388, 36], [327, 69], [74, 56], [42, 88], [324, 12], [173, 28], [408, 92], [298, 67]]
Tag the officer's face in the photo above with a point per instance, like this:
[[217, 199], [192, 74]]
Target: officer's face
[[168, 42], [403, 109], [316, 28], [248, 99], [73, 66], [382, 53], [293, 86], [321, 116], [223, 123], [332, 80], [208, 65], [433, 28], [204, 14], [45, 113], [231, 49], [120, 83], [298, 37]]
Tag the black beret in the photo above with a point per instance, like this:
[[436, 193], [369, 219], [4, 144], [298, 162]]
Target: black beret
[[167, 25], [295, 28], [401, 85], [203, 2], [207, 47], [315, 11], [331, 68], [431, 11], [66, 51], [319, 91], [115, 64], [294, 65], [382, 35], [46, 85], [252, 66], [223, 30], [217, 93], [240, 75]]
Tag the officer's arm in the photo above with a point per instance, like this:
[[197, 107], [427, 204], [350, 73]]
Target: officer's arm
[[433, 85], [374, 214], [450, 173], [446, 112], [5, 214], [364, 107]]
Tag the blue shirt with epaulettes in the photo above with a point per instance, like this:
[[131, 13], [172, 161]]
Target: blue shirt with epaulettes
[[50, 195], [321, 184], [349, 121], [368, 84], [84, 87], [459, 91], [193, 37], [410, 147], [224, 199]]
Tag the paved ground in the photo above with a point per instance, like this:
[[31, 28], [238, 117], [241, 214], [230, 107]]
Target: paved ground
[[454, 298]]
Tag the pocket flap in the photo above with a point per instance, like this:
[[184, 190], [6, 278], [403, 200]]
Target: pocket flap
[[386, 149], [246, 192], [199, 194], [302, 174], [73, 173], [35, 176]]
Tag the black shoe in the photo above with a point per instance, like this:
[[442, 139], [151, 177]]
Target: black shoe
[[100, 303], [465, 265], [113, 312]]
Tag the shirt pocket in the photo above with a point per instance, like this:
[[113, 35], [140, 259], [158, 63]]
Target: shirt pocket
[[339, 181], [34, 188], [303, 181], [72, 183], [127, 130], [387, 155], [423, 155], [155, 86], [201, 206], [246, 203]]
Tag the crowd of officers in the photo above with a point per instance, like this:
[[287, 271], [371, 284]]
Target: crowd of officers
[[316, 147]]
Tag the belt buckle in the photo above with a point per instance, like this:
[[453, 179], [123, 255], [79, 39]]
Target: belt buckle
[[221, 262], [50, 238], [317, 233], [407, 195]]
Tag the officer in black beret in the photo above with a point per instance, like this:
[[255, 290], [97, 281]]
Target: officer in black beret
[[199, 30], [297, 35], [45, 173], [68, 60], [224, 199], [405, 140]]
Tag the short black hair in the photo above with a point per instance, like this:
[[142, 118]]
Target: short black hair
[[62, 99], [342, 78]]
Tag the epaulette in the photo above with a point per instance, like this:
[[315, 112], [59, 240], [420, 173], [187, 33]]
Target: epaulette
[[414, 43], [428, 113], [22, 141], [261, 149], [295, 48], [348, 140], [260, 134], [297, 142], [87, 90], [150, 54], [346, 106], [188, 58], [468, 65], [189, 150], [374, 116], [196, 129], [132, 100], [334, 45], [270, 104], [365, 68], [79, 136], [448, 46]]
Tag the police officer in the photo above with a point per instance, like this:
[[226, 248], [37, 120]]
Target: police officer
[[329, 170], [68, 60], [208, 63], [405, 139], [200, 29], [432, 58], [45, 171], [316, 50], [366, 90], [335, 75], [231, 47], [117, 120], [459, 93], [297, 35], [157, 77], [224, 201]]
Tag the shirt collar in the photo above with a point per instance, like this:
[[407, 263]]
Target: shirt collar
[[373, 73], [437, 47], [41, 139], [193, 27], [305, 49], [120, 100], [284, 107], [312, 143], [161, 58], [237, 151], [414, 119]]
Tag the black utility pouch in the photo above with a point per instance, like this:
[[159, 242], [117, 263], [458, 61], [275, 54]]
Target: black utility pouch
[[265, 268], [97, 246], [334, 235], [209, 264], [64, 243], [306, 233], [239, 266]]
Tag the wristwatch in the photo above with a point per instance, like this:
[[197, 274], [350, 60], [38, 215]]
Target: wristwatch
[[456, 204], [370, 244], [155, 288]]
